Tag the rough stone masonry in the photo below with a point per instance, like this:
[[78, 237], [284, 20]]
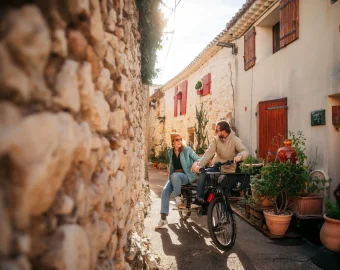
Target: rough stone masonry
[[73, 189]]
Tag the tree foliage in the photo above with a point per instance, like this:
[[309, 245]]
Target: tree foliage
[[151, 25]]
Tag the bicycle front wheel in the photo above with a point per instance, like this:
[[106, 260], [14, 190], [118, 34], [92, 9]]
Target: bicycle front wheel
[[221, 224]]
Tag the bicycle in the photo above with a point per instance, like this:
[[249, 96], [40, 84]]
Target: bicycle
[[220, 216]]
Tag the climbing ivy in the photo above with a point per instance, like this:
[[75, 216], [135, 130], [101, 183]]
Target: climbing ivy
[[151, 25]]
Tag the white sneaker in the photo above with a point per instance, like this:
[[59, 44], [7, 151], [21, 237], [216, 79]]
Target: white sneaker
[[161, 223]]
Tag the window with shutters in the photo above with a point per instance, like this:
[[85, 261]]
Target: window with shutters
[[289, 21], [276, 37], [180, 99], [249, 49], [206, 80]]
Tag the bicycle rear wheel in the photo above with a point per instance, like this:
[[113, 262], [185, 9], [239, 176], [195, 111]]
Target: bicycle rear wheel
[[221, 224]]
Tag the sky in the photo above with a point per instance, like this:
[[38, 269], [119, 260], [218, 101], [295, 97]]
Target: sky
[[195, 24]]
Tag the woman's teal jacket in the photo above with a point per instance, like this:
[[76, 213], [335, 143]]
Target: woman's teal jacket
[[187, 158]]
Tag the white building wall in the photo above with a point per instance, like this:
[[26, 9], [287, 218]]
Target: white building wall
[[218, 104], [307, 72]]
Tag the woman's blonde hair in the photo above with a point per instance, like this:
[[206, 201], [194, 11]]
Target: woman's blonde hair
[[173, 136]]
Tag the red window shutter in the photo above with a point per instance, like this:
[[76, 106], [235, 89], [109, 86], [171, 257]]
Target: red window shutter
[[289, 21], [206, 84], [184, 97], [249, 49], [175, 101]]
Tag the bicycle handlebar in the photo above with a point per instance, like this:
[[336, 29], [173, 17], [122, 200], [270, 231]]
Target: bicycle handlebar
[[217, 165]]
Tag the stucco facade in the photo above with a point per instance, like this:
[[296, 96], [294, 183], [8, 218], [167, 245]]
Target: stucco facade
[[307, 72]]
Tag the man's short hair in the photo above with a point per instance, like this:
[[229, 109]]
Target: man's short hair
[[224, 125]]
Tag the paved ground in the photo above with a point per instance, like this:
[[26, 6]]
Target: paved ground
[[187, 245]]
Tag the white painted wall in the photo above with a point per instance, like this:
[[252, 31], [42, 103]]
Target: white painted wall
[[307, 72], [218, 104]]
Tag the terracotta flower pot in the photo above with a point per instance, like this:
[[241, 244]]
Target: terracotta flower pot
[[330, 234], [307, 206], [277, 225]]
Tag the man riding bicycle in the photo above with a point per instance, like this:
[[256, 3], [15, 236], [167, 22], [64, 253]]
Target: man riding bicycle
[[225, 146]]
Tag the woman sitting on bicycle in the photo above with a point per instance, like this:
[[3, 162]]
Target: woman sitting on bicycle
[[183, 161]]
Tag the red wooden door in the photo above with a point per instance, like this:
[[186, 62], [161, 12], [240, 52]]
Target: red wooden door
[[272, 121]]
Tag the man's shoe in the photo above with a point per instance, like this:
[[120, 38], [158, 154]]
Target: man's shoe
[[161, 223], [197, 203]]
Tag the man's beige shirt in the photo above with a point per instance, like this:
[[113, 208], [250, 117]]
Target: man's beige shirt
[[225, 150]]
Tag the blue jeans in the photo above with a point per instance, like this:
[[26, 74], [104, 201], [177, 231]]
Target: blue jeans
[[202, 178], [177, 179]]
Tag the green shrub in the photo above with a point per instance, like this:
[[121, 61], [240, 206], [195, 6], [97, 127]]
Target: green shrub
[[333, 210]]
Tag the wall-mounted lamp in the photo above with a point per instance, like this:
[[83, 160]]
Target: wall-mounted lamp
[[234, 49]]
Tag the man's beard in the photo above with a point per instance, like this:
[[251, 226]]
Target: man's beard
[[222, 138]]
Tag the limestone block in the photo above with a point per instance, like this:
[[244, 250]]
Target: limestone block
[[41, 148], [77, 45], [69, 249], [63, 205], [114, 164], [83, 150], [86, 86], [129, 7], [93, 59], [28, 40], [113, 245], [104, 83], [116, 121], [92, 196], [98, 115], [112, 40], [120, 181], [19, 263], [122, 83], [96, 29], [115, 100], [13, 81], [108, 216], [77, 7], [111, 20], [67, 86], [9, 114], [59, 43], [92, 234], [119, 32], [104, 235], [110, 62], [5, 229]]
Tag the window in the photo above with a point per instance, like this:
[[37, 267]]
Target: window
[[289, 18], [206, 84], [249, 49], [276, 37], [180, 99]]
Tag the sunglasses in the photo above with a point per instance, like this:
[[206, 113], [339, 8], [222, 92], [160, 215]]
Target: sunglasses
[[178, 139]]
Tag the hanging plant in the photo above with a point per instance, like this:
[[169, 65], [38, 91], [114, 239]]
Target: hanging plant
[[199, 85]]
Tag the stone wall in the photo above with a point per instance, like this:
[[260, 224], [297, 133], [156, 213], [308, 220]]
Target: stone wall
[[73, 189]]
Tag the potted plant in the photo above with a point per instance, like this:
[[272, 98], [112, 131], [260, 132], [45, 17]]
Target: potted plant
[[330, 231], [308, 202], [279, 182], [199, 87], [251, 165]]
